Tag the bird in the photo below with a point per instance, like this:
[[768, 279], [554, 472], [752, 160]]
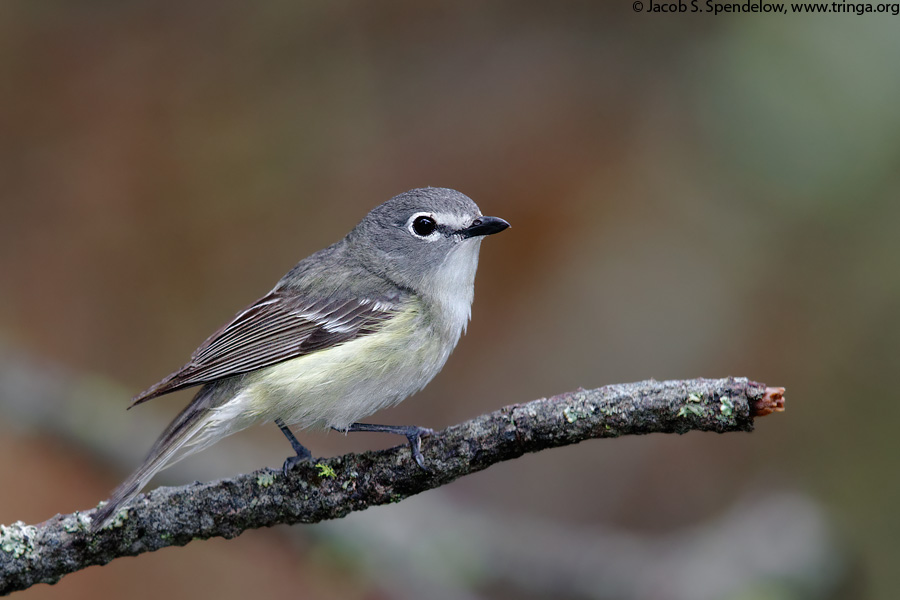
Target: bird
[[352, 329]]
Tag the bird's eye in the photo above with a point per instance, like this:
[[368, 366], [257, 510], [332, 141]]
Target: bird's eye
[[424, 226]]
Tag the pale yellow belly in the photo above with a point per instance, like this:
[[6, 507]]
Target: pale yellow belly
[[346, 383]]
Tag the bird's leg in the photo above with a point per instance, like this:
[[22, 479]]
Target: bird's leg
[[413, 435], [302, 452]]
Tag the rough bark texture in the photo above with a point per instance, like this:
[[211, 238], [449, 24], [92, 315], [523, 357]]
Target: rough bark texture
[[332, 488]]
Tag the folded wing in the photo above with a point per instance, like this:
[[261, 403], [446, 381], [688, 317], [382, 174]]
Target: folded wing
[[276, 328]]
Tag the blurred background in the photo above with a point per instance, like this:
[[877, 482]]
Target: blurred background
[[690, 196]]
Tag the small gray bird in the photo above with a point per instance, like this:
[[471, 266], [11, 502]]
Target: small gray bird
[[352, 329]]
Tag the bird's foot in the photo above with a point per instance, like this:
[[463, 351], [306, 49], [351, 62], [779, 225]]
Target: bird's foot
[[303, 453], [412, 433], [292, 461]]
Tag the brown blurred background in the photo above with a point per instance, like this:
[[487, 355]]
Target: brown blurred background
[[690, 196]]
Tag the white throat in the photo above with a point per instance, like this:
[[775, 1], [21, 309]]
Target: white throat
[[452, 286]]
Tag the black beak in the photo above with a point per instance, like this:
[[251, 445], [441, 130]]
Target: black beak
[[484, 226]]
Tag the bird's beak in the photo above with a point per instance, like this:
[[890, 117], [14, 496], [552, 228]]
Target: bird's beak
[[484, 226]]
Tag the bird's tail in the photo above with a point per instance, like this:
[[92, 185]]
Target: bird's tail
[[176, 442]]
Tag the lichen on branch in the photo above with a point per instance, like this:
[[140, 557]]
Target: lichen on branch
[[332, 488]]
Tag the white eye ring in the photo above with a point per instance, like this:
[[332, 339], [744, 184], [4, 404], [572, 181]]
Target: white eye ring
[[423, 226]]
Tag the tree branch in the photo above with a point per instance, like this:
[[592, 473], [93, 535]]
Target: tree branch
[[332, 488]]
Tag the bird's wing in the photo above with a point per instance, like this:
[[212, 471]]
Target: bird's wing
[[277, 327]]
